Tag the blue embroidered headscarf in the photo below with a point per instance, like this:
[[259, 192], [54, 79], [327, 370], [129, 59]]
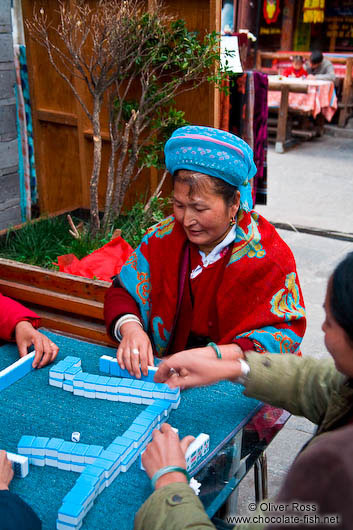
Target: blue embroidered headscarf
[[213, 152]]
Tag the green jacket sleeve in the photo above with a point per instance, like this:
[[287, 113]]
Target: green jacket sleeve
[[301, 385], [174, 507]]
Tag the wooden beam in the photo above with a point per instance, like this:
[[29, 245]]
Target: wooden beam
[[287, 55], [59, 282], [56, 116], [346, 93], [47, 298], [88, 133], [65, 303], [293, 87], [282, 120], [94, 332], [287, 25], [215, 9]]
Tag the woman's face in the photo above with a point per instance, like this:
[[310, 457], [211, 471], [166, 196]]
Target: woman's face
[[336, 340], [205, 216]]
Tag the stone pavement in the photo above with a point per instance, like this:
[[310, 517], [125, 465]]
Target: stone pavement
[[310, 185]]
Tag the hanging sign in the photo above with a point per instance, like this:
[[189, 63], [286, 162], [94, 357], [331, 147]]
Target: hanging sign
[[230, 56], [271, 10], [314, 11]]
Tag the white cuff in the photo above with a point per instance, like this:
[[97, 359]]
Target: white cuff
[[128, 317], [245, 371]]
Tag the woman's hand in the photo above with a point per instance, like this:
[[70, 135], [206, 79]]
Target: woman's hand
[[135, 348], [6, 472], [190, 368], [166, 450], [26, 335]]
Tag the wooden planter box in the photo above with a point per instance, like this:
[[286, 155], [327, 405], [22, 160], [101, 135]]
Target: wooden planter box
[[65, 303]]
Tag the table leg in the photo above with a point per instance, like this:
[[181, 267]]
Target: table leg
[[260, 478], [282, 120], [346, 95]]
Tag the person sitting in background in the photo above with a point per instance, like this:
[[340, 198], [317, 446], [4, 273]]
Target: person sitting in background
[[15, 514], [320, 68], [321, 477], [296, 69], [19, 323]]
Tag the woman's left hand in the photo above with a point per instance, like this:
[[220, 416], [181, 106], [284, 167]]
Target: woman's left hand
[[166, 450], [26, 335]]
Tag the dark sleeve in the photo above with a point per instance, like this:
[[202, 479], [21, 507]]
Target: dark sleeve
[[118, 302], [321, 477], [15, 514]]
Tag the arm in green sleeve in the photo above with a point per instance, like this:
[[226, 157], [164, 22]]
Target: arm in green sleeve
[[302, 386], [173, 507]]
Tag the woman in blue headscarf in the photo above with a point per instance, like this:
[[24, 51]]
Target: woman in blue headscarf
[[215, 276]]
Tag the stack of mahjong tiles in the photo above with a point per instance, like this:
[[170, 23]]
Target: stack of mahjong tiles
[[98, 467], [119, 385], [196, 450]]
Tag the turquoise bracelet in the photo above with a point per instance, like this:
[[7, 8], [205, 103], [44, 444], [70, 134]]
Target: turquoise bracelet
[[216, 349], [168, 469]]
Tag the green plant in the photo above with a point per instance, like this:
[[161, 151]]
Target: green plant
[[134, 223], [165, 121], [37, 243], [41, 242]]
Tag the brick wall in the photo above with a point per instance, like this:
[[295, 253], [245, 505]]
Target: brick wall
[[9, 182]]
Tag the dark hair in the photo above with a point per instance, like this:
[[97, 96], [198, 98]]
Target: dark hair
[[341, 299], [199, 181], [316, 57], [298, 58]]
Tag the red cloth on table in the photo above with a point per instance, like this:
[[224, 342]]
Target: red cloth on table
[[321, 97], [102, 264], [290, 71], [11, 313]]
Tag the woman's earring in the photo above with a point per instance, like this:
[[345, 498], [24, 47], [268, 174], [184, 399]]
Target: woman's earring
[[232, 221]]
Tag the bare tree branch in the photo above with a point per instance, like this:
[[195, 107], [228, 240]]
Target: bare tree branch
[[138, 61]]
